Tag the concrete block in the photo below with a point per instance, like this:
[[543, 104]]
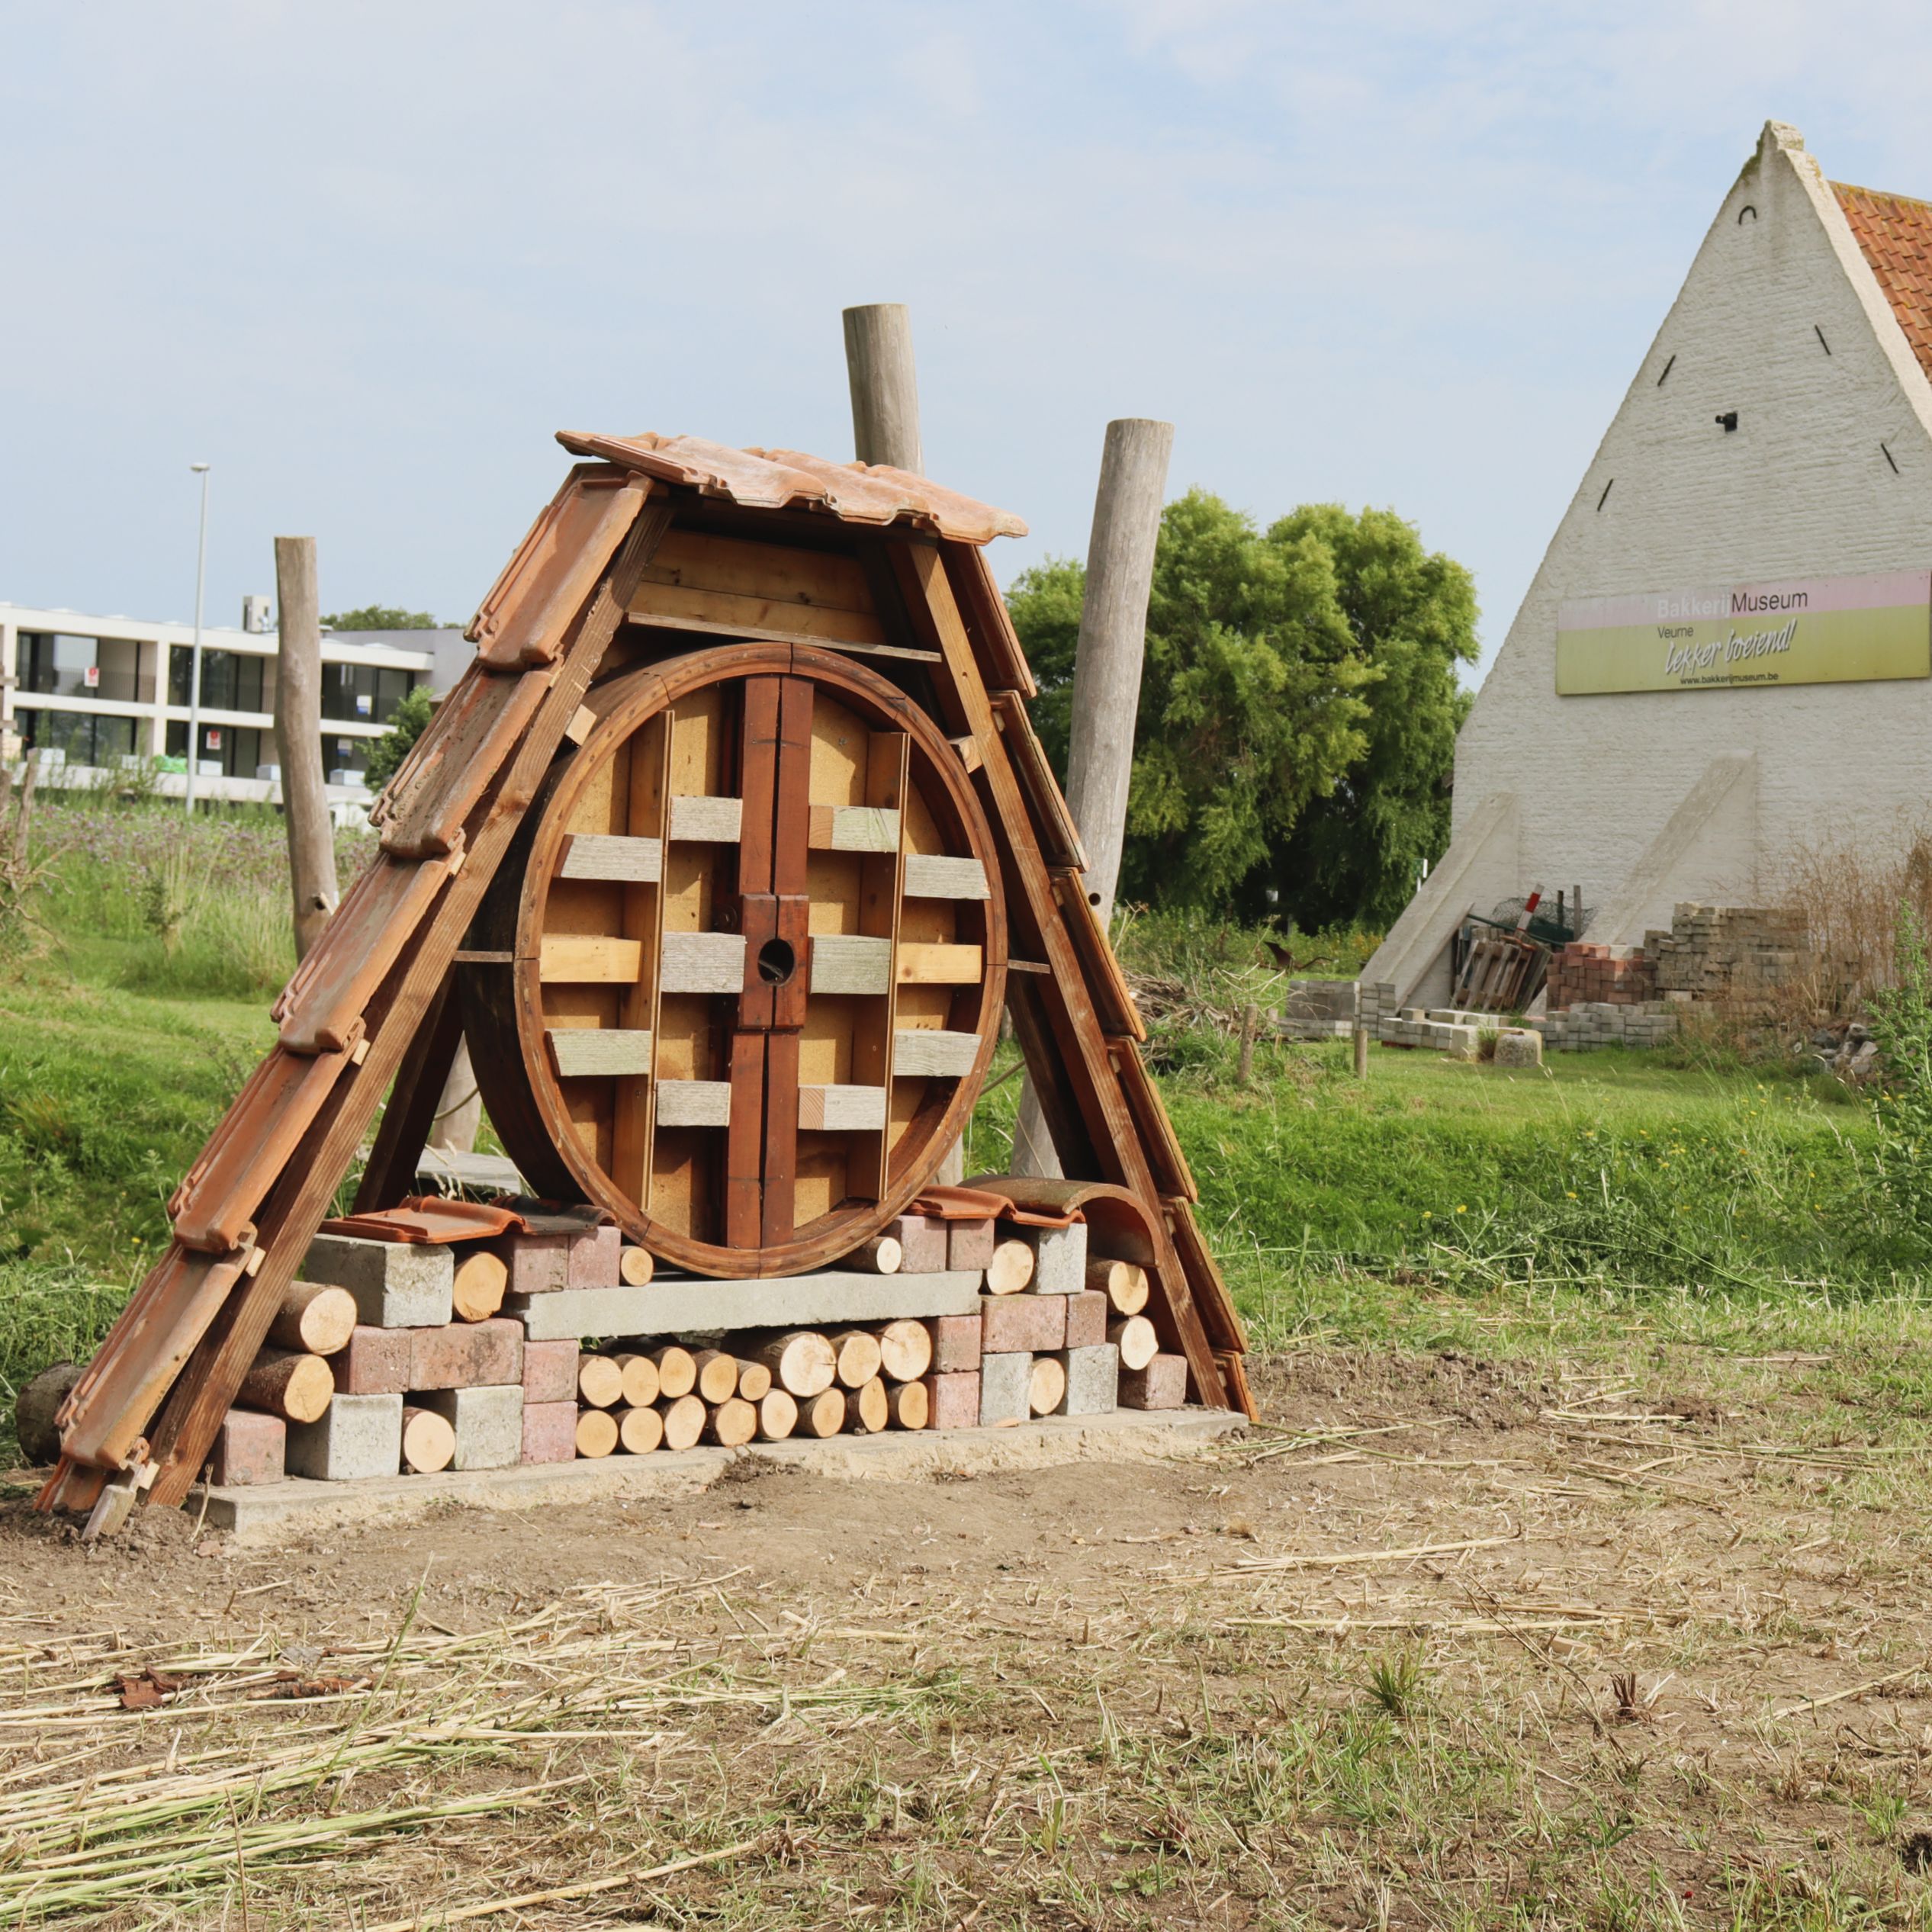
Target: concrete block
[[396, 1283], [1514, 1048], [924, 1241], [953, 1400], [550, 1372], [488, 1422], [1086, 1319], [549, 1430], [250, 1448], [362, 1436], [956, 1343], [467, 1356], [1162, 1384], [1093, 1381], [684, 1306], [970, 1244], [1005, 1389], [1022, 1324], [1059, 1258], [376, 1362]]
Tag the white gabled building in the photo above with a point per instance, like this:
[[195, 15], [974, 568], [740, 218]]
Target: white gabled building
[[1727, 652]]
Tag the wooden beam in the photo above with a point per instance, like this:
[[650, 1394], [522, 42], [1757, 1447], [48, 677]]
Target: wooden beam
[[930, 876], [598, 855], [707, 821], [851, 962], [922, 964], [832, 1110], [298, 741], [694, 1103], [930, 1052], [853, 828], [586, 1052], [589, 959], [390, 1177], [702, 962]]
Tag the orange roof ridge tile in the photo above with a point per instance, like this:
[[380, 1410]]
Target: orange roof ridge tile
[[1894, 233]]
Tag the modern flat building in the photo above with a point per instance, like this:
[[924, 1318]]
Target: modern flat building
[[1726, 656], [90, 693]]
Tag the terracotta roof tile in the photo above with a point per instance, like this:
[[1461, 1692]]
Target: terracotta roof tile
[[1896, 234]]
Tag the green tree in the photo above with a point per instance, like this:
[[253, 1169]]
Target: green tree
[[406, 724], [1298, 708], [381, 617]]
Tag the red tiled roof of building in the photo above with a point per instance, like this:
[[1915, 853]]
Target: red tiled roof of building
[[1896, 234]]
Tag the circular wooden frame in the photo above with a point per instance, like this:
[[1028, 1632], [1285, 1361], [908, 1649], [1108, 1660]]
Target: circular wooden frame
[[771, 709]]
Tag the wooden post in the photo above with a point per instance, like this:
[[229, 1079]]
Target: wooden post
[[298, 741], [1361, 1052], [1107, 688], [884, 386], [1250, 1026]]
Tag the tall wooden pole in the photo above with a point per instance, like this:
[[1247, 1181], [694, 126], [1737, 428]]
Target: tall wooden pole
[[1106, 686], [298, 741], [884, 386]]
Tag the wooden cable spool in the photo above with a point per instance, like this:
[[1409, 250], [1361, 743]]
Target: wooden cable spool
[[740, 979]]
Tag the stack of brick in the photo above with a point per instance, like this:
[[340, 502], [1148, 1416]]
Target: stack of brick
[[1735, 956], [1442, 1030], [1584, 973], [1319, 1009], [1597, 1022]]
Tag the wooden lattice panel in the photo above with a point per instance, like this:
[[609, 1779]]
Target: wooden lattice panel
[[744, 985]]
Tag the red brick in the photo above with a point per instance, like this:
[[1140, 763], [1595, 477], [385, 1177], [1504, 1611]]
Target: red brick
[[1162, 1384], [249, 1449], [593, 1259], [549, 1430], [376, 1362], [549, 1371], [539, 1264], [956, 1343], [1086, 1319], [922, 1237], [1022, 1324], [970, 1244], [955, 1400], [467, 1354]]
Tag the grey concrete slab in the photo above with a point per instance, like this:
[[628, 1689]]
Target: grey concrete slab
[[358, 1438], [488, 1421], [691, 1305], [396, 1283], [275, 1512]]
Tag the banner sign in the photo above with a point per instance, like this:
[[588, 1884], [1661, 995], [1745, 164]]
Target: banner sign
[[1819, 630]]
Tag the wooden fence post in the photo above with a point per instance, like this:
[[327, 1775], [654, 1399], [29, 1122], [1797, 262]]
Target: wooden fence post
[[298, 740], [884, 386], [1107, 687]]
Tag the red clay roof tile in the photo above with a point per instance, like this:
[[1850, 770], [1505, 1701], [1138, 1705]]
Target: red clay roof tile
[[1894, 233]]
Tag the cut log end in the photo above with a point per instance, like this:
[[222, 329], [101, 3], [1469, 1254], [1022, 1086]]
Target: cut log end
[[635, 1267], [684, 1418], [778, 1416], [884, 1254], [910, 1404], [1124, 1284], [718, 1376], [478, 1290], [859, 1357], [1046, 1389], [754, 1380], [286, 1382], [1136, 1341], [599, 1381], [640, 1430], [823, 1415], [677, 1373], [597, 1433], [731, 1424], [429, 1441], [804, 1364], [314, 1318], [905, 1350], [1011, 1268], [641, 1387], [868, 1409]]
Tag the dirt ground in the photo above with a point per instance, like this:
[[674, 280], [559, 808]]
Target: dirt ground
[[1449, 1643]]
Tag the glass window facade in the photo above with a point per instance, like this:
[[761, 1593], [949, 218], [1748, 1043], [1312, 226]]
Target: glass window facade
[[59, 665], [238, 749], [86, 738], [364, 692], [231, 680]]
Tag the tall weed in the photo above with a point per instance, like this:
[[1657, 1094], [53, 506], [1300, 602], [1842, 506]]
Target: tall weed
[[1901, 1024]]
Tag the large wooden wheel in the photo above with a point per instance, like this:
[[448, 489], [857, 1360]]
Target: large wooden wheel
[[744, 986]]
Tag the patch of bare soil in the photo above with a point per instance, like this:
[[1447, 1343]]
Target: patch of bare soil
[[1447, 1639]]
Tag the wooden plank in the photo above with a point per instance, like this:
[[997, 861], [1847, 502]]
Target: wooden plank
[[707, 821], [922, 965], [743, 633], [1113, 1003], [1223, 1325], [410, 1113], [628, 860], [881, 904], [634, 1103], [702, 962], [854, 828], [524, 620], [1046, 812], [843, 1109], [694, 1103], [818, 579], [1158, 1139], [185, 1431], [757, 781], [744, 1145], [773, 617], [587, 1053], [928, 876], [779, 1166], [589, 958], [933, 1053], [988, 624], [793, 793], [851, 962]]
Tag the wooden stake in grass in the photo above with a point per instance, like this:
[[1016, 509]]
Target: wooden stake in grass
[[641, 1387], [1046, 1389], [858, 1356], [823, 1414], [1011, 1268], [717, 1375], [678, 1371], [482, 1278], [1123, 1283], [1250, 1026], [313, 1318], [731, 1424], [905, 1350], [597, 1432], [882, 1255], [685, 1417], [288, 1383], [599, 1381], [754, 1380], [778, 1415], [867, 1408], [428, 1441], [1136, 1341], [803, 1364], [639, 1430], [908, 1404], [634, 1267]]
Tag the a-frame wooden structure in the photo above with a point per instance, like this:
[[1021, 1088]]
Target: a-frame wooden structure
[[654, 550]]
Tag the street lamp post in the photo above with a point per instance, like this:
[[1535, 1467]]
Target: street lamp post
[[194, 674]]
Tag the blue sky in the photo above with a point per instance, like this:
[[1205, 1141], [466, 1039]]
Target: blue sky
[[365, 258]]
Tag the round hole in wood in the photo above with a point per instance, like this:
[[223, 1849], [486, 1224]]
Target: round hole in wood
[[749, 960]]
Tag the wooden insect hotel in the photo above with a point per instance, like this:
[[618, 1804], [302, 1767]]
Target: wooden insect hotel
[[727, 855]]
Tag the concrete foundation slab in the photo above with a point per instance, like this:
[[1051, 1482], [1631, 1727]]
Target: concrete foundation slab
[[688, 1306], [276, 1511]]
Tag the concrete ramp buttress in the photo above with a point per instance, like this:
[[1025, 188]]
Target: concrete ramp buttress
[[1479, 868], [1706, 853]]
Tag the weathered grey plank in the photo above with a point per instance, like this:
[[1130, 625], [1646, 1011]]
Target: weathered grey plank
[[930, 876], [601, 855], [584, 1052], [702, 963], [851, 962]]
